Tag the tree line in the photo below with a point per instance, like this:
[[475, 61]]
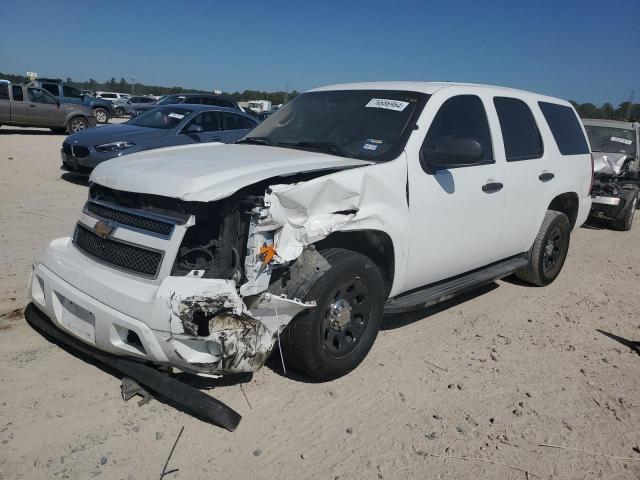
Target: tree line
[[122, 86], [624, 111]]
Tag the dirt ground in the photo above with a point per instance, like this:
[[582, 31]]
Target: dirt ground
[[491, 376]]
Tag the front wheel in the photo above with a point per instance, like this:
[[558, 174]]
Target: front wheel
[[330, 340], [77, 124], [549, 251], [626, 222], [102, 116], [119, 112]]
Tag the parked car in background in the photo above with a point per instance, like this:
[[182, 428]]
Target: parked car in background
[[129, 105], [28, 106], [113, 96], [349, 202], [192, 99], [102, 109], [615, 147], [163, 126]]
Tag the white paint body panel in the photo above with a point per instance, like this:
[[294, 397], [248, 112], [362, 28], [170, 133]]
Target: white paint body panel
[[440, 224]]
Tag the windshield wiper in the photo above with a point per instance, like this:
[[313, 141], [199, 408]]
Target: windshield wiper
[[258, 141], [324, 146]]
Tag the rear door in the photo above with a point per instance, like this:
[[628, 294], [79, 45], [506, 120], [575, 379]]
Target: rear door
[[235, 126], [43, 109], [18, 106], [528, 172], [5, 103], [457, 213]]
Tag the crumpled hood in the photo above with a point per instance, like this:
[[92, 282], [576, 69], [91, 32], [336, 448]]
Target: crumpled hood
[[115, 133], [209, 172], [609, 163]]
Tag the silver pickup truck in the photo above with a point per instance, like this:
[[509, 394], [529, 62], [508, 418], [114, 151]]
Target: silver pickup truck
[[26, 106]]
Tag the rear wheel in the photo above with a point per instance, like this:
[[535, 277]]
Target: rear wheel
[[332, 339], [102, 116], [77, 124], [119, 112], [549, 251]]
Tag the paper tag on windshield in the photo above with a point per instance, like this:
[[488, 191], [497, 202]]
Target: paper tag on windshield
[[176, 115], [621, 140], [396, 105]]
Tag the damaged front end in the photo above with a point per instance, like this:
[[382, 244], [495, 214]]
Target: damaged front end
[[615, 185]]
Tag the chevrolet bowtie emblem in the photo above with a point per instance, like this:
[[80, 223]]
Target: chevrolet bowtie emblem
[[102, 229]]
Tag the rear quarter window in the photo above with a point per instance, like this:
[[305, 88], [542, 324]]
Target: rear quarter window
[[565, 127]]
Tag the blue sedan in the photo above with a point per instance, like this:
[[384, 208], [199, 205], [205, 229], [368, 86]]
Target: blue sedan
[[163, 126]]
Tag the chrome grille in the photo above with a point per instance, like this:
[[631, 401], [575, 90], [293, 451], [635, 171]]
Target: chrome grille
[[119, 254], [128, 218]]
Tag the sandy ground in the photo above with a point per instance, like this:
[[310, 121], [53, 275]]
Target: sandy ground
[[490, 376]]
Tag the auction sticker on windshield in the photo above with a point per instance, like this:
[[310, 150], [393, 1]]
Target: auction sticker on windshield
[[387, 104], [176, 115], [621, 140]]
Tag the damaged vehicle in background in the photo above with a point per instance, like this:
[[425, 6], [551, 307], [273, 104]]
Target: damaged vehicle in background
[[616, 156], [348, 202]]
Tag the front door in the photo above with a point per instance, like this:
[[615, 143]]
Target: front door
[[456, 213], [43, 109]]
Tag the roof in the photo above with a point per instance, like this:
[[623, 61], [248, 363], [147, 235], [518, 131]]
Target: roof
[[194, 107], [432, 87], [600, 122]]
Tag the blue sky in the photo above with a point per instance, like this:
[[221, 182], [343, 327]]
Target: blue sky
[[575, 49]]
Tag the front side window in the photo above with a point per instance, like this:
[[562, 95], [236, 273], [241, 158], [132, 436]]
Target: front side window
[[165, 118], [231, 121], [520, 133], [209, 121], [72, 92], [17, 93], [365, 124], [4, 91], [38, 95], [611, 139], [565, 127], [193, 100], [462, 116], [52, 88], [168, 100], [146, 100]]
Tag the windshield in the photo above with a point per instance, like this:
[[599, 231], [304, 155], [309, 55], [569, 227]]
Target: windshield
[[611, 139], [171, 99], [365, 124], [163, 117]]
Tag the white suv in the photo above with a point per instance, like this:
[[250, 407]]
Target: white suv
[[348, 202]]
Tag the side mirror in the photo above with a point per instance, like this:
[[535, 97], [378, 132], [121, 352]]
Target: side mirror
[[193, 128], [450, 152]]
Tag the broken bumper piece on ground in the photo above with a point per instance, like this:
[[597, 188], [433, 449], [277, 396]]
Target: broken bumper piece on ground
[[175, 392]]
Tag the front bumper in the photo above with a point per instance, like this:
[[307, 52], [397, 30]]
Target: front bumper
[[155, 319], [88, 163], [188, 398]]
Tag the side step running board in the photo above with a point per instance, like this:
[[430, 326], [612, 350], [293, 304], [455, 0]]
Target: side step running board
[[447, 289], [179, 394]]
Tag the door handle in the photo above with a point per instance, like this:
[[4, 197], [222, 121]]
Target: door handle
[[546, 176], [32, 106], [492, 187]]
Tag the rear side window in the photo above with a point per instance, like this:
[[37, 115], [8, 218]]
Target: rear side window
[[52, 88], [461, 116], [4, 91], [17, 93], [565, 127], [519, 130], [193, 100], [231, 121]]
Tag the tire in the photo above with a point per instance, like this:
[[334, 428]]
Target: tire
[[549, 251], [119, 112], [625, 223], [59, 130], [77, 124], [326, 342], [101, 114]]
